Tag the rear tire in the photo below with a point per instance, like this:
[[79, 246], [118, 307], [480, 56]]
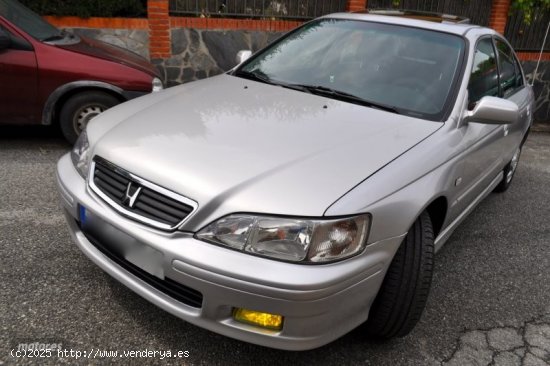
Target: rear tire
[[79, 109], [404, 291], [509, 171]]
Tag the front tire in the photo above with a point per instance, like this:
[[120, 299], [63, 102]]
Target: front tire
[[404, 291], [79, 109]]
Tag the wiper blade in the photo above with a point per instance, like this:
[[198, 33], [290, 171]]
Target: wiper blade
[[256, 75], [323, 90], [55, 37], [259, 75]]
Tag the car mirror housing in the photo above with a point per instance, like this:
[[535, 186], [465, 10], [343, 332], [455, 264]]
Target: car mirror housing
[[242, 56], [5, 40], [493, 111]]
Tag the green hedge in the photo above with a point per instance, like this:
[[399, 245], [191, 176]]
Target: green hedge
[[89, 8]]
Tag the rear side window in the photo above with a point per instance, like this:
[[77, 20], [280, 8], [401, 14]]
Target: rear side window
[[484, 77], [511, 79]]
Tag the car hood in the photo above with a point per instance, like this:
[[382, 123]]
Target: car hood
[[106, 51], [235, 145]]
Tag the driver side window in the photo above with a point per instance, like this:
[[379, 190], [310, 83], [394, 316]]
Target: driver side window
[[484, 76]]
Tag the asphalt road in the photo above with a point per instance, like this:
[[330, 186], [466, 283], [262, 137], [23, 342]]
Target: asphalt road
[[490, 299]]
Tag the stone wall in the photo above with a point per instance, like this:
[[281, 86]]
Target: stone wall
[[197, 54]]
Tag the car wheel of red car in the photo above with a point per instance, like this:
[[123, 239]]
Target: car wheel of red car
[[79, 109], [404, 292]]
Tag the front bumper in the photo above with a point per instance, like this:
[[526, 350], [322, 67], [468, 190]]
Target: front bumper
[[319, 302]]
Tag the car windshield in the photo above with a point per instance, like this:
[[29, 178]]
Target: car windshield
[[28, 21], [400, 69]]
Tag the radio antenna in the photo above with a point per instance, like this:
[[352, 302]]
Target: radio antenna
[[540, 55]]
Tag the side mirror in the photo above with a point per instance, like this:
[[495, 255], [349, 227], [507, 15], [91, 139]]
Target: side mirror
[[5, 40], [242, 56], [493, 111]]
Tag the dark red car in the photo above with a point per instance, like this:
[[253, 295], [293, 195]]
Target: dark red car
[[48, 76]]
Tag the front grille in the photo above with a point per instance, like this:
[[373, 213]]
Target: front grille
[[137, 198], [175, 290], [111, 183]]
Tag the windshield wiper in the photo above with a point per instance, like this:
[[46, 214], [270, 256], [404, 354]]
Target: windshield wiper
[[256, 75], [54, 37], [260, 76], [341, 95]]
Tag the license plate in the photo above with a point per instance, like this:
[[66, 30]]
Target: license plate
[[121, 244]]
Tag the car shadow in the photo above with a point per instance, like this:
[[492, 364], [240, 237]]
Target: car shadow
[[31, 132]]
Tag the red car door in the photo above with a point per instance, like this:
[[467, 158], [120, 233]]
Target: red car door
[[18, 80]]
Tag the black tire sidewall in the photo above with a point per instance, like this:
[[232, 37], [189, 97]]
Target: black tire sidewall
[[405, 288]]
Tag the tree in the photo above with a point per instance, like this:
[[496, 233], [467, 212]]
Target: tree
[[530, 7]]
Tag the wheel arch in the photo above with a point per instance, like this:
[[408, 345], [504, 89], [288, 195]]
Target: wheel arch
[[437, 210], [61, 94]]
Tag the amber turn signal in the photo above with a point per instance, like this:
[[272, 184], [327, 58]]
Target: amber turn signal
[[259, 319]]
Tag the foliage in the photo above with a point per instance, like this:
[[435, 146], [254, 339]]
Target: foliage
[[530, 7], [89, 8]]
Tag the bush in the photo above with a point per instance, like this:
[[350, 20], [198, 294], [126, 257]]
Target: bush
[[89, 8]]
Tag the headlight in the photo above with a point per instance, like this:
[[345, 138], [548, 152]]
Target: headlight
[[290, 239], [80, 154], [156, 85]]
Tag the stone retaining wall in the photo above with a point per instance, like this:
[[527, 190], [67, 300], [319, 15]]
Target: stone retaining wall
[[197, 54]]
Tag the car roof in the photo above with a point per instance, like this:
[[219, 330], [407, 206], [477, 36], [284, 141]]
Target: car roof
[[413, 21]]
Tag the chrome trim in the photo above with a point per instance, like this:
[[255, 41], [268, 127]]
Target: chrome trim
[[145, 183]]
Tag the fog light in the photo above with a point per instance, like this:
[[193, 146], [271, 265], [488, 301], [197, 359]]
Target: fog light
[[264, 320]]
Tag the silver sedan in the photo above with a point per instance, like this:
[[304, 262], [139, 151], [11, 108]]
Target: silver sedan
[[304, 192]]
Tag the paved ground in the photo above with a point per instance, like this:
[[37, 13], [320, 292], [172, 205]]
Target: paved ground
[[490, 301]]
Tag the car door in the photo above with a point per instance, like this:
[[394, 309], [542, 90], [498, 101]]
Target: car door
[[513, 88], [18, 80], [481, 143]]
